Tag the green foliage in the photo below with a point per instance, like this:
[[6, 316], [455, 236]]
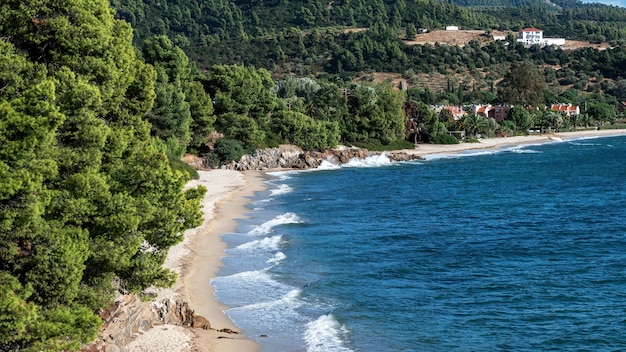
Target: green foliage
[[521, 118], [443, 138], [522, 85], [376, 145], [17, 315], [228, 150], [602, 112], [174, 151], [171, 115], [202, 117], [85, 199], [302, 130]]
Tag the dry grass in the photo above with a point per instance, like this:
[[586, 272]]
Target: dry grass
[[463, 37]]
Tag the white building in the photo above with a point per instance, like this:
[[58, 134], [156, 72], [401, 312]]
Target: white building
[[534, 36]]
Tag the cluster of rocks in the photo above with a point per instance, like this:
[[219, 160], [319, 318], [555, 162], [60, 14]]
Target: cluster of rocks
[[129, 317], [292, 157]]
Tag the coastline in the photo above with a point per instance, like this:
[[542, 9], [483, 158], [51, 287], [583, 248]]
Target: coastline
[[198, 258], [500, 142], [205, 261]]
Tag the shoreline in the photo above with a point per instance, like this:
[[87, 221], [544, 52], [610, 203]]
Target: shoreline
[[204, 263], [197, 259], [501, 142]]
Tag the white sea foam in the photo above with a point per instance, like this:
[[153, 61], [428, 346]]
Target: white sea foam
[[584, 144], [326, 334], [281, 189], [281, 175], [327, 165], [522, 149], [277, 258], [370, 161], [267, 227], [248, 287], [267, 243], [288, 300]]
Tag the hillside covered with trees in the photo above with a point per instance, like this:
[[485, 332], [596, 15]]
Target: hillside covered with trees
[[336, 43]]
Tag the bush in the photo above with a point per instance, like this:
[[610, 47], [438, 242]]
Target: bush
[[228, 150], [377, 145], [177, 164], [444, 138]]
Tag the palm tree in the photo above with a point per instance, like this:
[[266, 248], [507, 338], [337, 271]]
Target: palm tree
[[475, 124]]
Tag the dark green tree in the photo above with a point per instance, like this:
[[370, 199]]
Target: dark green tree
[[523, 85], [171, 114], [84, 196], [522, 118]]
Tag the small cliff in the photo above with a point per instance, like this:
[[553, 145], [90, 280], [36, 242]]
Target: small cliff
[[292, 157], [129, 316]]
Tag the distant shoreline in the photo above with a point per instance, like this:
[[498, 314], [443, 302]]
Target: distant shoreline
[[500, 142]]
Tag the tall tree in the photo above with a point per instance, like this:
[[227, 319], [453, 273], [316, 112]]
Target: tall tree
[[523, 85], [171, 115], [84, 197]]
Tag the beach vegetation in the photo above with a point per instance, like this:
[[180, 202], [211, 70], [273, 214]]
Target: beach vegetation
[[444, 138], [376, 145], [227, 150]]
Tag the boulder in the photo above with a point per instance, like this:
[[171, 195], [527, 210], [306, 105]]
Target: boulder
[[129, 316]]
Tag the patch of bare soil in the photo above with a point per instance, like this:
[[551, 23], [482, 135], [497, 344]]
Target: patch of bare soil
[[578, 44], [458, 37]]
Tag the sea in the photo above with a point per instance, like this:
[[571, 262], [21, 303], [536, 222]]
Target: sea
[[516, 249]]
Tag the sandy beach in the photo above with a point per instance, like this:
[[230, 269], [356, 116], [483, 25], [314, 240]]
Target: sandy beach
[[198, 258], [492, 143]]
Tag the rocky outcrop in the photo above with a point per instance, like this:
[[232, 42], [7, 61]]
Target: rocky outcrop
[[129, 316], [292, 157]]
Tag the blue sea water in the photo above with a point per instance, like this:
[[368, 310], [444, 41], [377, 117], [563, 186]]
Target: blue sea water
[[519, 249]]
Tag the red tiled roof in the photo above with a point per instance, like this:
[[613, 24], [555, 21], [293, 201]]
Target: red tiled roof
[[531, 30], [563, 107]]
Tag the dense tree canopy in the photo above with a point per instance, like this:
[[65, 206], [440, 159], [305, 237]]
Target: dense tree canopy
[[84, 197]]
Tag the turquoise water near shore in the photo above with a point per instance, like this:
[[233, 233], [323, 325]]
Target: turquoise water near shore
[[519, 249]]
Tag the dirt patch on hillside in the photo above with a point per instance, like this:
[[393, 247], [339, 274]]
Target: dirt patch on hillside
[[578, 44], [458, 37]]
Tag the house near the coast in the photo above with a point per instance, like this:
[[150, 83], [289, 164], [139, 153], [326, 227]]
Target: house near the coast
[[534, 36], [497, 112], [456, 111], [569, 109]]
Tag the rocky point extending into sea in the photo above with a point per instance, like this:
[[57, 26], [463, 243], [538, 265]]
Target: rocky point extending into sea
[[292, 157]]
